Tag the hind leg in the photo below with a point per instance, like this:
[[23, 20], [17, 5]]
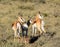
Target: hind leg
[[39, 29], [15, 33], [42, 27]]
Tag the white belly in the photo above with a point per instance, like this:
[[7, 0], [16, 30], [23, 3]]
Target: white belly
[[25, 25]]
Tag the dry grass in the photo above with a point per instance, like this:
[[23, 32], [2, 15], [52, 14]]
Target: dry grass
[[9, 10]]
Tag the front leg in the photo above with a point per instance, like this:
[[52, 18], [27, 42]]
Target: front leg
[[18, 29], [33, 29]]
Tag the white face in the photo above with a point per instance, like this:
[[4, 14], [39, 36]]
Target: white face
[[31, 21]]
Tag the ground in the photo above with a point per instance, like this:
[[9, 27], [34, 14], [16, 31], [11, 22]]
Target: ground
[[50, 9]]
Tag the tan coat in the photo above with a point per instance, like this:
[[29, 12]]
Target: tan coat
[[37, 20]]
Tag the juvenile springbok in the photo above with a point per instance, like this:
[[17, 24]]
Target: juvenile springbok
[[16, 26]]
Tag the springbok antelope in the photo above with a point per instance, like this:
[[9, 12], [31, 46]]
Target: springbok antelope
[[37, 24], [25, 27], [16, 26]]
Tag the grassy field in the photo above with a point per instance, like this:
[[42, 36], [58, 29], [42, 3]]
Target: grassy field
[[50, 9]]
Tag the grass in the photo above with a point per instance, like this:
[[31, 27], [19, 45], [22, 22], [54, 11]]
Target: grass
[[9, 10]]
